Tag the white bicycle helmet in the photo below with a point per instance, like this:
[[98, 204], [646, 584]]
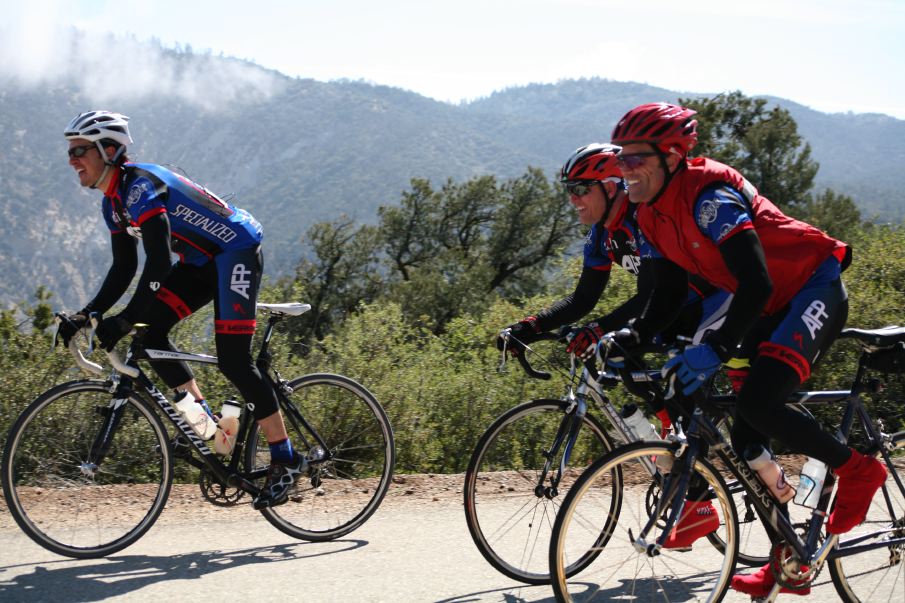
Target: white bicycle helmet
[[100, 125]]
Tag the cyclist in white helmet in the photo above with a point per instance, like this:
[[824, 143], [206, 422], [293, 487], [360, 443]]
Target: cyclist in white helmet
[[219, 250]]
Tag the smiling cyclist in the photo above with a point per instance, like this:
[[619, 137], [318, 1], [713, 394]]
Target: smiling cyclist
[[220, 259]]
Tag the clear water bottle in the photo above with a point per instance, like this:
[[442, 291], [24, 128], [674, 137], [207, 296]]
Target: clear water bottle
[[769, 471], [227, 427], [638, 423], [810, 483], [195, 415]]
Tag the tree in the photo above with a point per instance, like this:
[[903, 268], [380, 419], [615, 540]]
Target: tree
[[834, 213], [342, 272], [440, 253], [762, 144]]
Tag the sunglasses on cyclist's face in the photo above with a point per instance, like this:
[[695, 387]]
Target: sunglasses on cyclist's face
[[632, 161], [579, 189], [80, 151]]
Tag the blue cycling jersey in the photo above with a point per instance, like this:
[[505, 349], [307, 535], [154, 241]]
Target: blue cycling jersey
[[202, 225], [623, 244]]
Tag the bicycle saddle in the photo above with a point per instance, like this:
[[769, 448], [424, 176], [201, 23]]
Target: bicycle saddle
[[883, 337]]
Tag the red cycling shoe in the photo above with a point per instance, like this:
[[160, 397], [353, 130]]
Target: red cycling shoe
[[698, 519], [761, 582], [859, 479]]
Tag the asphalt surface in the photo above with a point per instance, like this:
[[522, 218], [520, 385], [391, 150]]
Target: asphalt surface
[[417, 552]]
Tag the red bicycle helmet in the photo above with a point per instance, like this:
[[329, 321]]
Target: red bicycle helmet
[[595, 161], [670, 128]]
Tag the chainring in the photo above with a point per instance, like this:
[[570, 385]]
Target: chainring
[[787, 568], [216, 493]]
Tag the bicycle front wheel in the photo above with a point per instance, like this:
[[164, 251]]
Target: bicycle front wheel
[[65, 493], [348, 477], [509, 503], [625, 569], [877, 574]]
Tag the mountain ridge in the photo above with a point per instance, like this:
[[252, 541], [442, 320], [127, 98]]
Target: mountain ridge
[[302, 151]]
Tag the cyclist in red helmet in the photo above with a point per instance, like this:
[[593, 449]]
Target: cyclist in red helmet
[[702, 217], [597, 192]]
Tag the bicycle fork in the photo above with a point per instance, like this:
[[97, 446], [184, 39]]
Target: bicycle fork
[[100, 446], [568, 432]]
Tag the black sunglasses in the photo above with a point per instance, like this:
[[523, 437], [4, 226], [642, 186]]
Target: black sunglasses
[[80, 150], [579, 189], [632, 161]]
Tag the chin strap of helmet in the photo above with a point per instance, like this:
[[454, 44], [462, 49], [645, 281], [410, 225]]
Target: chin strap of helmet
[[108, 163], [610, 201], [668, 175]]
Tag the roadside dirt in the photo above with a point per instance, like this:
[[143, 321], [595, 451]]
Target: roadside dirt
[[186, 503]]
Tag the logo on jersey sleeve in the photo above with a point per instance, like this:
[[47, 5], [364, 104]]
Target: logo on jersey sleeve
[[135, 193], [239, 281], [707, 213]]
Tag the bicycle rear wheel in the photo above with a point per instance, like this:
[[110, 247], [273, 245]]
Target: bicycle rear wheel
[[509, 513], [66, 498], [877, 574], [624, 569], [347, 481]]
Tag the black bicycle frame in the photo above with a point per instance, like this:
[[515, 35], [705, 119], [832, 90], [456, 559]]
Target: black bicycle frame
[[224, 473], [768, 509]]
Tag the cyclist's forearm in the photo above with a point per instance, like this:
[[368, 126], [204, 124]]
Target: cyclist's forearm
[[669, 289], [158, 264], [745, 259], [570, 309], [125, 263]]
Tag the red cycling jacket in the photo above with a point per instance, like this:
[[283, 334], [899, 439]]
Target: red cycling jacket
[[793, 248]]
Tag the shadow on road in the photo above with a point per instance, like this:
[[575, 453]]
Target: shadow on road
[[98, 579], [517, 594]]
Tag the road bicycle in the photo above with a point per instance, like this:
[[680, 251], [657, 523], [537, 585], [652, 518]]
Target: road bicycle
[[88, 465], [866, 564], [530, 456]]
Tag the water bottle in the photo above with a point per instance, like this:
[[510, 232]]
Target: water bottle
[[227, 427], [810, 483], [195, 415], [638, 423], [769, 471]]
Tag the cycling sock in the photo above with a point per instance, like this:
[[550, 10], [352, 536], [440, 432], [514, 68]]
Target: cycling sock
[[282, 452]]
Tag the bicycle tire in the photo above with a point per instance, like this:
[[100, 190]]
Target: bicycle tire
[[624, 570], [877, 574], [339, 494], [64, 504], [505, 468]]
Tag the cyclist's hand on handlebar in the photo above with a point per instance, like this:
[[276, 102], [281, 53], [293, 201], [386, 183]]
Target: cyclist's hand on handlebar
[[519, 334], [617, 343], [693, 367], [70, 325], [584, 342], [111, 329]]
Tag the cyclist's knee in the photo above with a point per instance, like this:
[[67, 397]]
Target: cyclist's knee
[[237, 368]]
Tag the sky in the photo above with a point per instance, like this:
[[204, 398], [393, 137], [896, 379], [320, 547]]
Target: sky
[[830, 55]]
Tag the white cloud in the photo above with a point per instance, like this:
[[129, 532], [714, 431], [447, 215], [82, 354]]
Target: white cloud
[[36, 51]]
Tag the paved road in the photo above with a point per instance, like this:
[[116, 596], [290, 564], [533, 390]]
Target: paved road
[[418, 552]]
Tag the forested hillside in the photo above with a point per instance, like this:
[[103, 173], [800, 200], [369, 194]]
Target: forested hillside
[[295, 152]]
